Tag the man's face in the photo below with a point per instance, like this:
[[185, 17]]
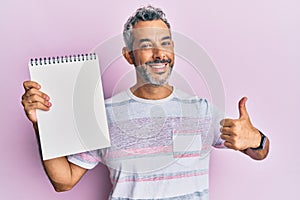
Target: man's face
[[153, 52]]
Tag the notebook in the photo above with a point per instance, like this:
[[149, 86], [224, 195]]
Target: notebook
[[76, 121]]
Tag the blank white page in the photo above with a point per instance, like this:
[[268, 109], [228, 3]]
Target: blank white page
[[77, 119]]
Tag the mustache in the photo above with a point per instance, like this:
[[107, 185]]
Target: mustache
[[158, 61]]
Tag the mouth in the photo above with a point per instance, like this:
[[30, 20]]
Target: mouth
[[159, 67]]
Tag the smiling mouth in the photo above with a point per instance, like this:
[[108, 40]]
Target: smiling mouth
[[159, 62], [159, 68]]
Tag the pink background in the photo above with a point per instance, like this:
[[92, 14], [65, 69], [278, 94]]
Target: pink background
[[253, 43]]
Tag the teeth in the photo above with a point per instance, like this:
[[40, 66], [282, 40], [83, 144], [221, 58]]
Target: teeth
[[158, 66]]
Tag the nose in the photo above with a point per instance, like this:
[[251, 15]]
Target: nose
[[159, 53]]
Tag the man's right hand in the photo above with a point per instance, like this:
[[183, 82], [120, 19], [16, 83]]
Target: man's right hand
[[63, 175], [33, 99]]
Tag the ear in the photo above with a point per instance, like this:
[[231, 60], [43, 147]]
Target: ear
[[127, 55]]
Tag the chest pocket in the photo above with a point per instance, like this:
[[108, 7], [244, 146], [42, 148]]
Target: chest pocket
[[186, 143]]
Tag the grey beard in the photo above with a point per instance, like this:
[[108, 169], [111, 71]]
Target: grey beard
[[144, 73]]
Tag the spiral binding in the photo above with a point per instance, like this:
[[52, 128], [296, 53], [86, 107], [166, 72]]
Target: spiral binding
[[62, 59]]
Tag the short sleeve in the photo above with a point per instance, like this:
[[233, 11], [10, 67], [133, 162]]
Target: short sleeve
[[87, 160], [217, 116]]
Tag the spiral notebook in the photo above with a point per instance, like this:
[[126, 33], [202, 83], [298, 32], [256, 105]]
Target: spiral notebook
[[77, 121]]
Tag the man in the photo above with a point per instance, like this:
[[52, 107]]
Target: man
[[160, 136]]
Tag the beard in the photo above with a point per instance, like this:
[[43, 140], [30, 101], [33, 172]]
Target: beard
[[158, 80]]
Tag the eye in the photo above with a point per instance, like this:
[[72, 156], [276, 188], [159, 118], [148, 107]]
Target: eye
[[147, 45], [166, 43]]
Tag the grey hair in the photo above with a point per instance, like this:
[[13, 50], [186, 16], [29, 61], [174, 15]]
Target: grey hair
[[147, 13]]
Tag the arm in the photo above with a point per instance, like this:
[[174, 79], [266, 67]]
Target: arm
[[240, 134], [258, 154], [62, 174]]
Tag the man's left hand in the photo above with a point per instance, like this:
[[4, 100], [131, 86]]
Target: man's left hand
[[240, 134]]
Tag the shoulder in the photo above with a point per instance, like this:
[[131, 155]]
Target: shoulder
[[117, 98], [185, 97], [203, 105]]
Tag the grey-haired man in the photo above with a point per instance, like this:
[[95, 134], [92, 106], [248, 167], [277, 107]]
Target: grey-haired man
[[160, 136]]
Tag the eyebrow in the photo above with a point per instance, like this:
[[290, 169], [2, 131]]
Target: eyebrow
[[144, 40], [166, 38], [148, 40]]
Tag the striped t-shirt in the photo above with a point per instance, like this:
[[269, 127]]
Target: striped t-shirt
[[159, 148]]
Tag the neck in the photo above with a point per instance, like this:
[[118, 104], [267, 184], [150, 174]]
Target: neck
[[152, 92]]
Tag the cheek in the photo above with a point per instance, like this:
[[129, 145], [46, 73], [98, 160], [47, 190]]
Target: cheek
[[170, 54], [172, 57], [142, 56]]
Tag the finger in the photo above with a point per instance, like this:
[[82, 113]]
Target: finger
[[32, 104], [30, 110], [226, 130], [37, 98], [229, 145], [29, 107], [242, 108], [227, 122], [31, 84], [34, 91], [226, 138]]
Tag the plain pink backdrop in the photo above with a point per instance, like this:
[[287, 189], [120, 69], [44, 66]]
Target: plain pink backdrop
[[255, 45]]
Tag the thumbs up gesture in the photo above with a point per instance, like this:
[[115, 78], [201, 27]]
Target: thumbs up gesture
[[240, 134]]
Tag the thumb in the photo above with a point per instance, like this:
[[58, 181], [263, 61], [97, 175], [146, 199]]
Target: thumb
[[242, 107]]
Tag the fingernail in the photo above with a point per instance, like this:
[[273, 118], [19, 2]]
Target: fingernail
[[49, 104]]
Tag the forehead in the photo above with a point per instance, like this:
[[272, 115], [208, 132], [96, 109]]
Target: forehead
[[154, 29]]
